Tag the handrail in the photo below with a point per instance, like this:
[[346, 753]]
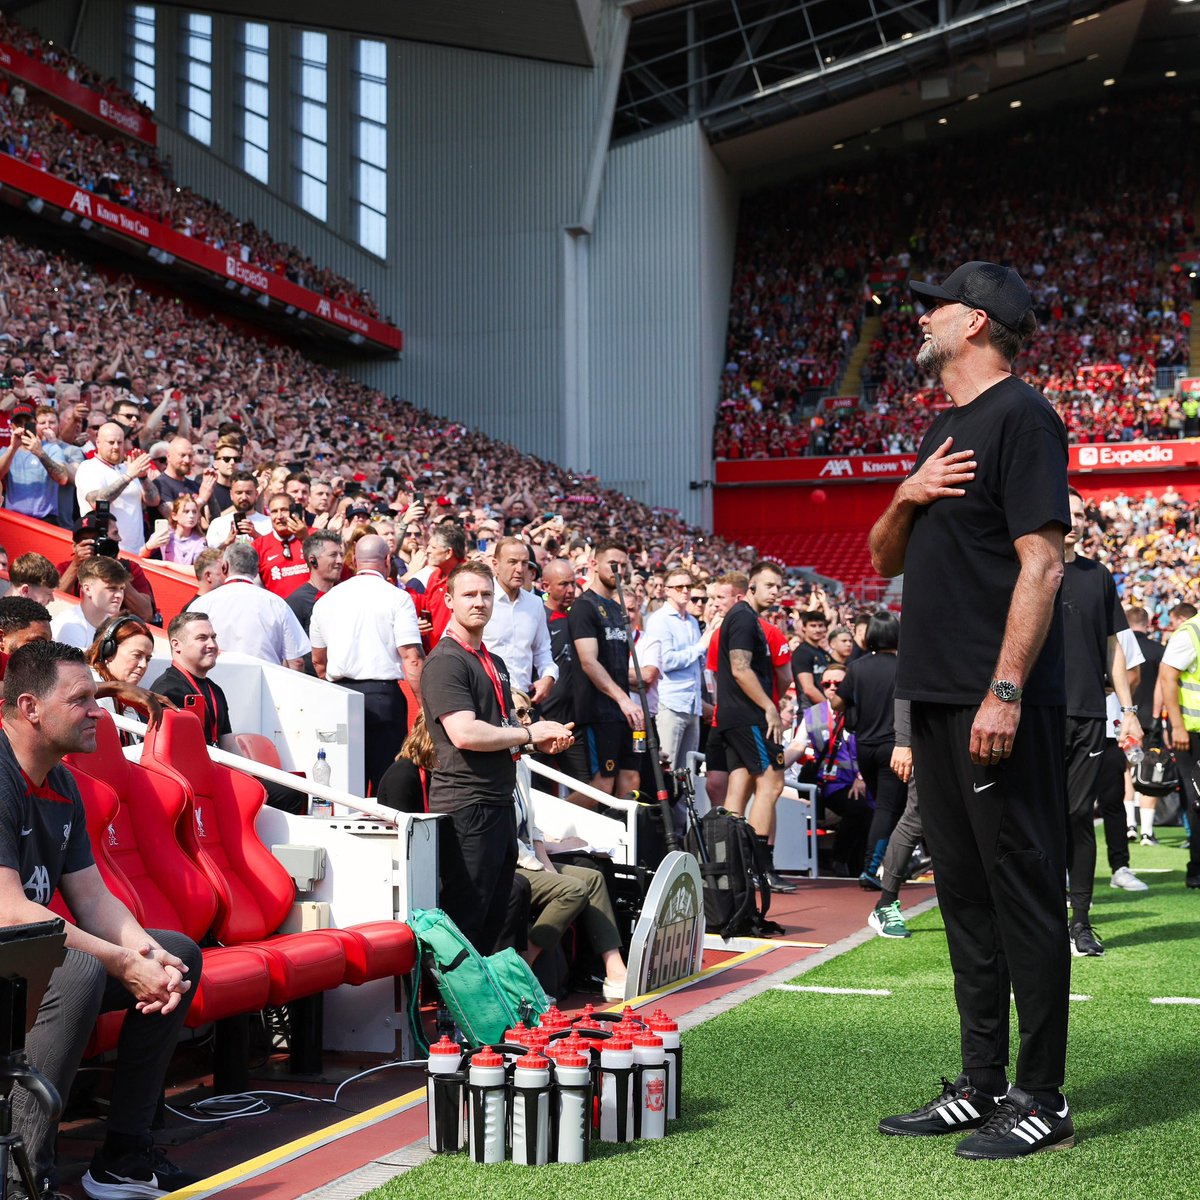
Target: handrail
[[286, 778], [584, 789]]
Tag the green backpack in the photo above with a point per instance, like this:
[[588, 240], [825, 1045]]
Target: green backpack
[[485, 996]]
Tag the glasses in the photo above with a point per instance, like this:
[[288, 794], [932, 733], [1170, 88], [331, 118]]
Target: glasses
[[160, 458], [697, 599], [522, 713], [830, 683], [679, 587], [225, 458]]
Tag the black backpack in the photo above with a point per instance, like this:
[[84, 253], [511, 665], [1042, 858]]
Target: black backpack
[[737, 896]]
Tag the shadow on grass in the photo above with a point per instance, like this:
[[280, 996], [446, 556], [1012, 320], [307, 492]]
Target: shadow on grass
[[1141, 1097], [1176, 931]]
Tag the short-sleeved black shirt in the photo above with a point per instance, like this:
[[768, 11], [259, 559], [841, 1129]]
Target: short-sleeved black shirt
[[961, 564], [43, 830], [741, 630], [559, 704], [301, 602], [594, 616], [1091, 615], [454, 680], [870, 685], [213, 712], [1143, 696], [811, 660]]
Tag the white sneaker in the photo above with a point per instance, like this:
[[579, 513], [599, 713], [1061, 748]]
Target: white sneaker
[[1124, 878]]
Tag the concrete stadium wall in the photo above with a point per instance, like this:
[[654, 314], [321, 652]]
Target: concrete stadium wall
[[562, 297]]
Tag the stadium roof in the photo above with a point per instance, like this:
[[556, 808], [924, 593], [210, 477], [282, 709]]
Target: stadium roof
[[781, 85], [556, 30]]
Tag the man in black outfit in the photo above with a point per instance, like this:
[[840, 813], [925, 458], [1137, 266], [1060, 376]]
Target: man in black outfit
[[606, 712], [558, 585], [747, 717], [193, 654], [1092, 618], [810, 659], [468, 708], [978, 533], [325, 556]]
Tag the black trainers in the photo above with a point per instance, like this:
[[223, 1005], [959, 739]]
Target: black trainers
[[1019, 1126], [959, 1107], [780, 883], [1084, 942], [142, 1174]]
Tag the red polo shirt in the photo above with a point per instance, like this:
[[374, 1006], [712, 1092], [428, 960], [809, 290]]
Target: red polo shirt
[[281, 568]]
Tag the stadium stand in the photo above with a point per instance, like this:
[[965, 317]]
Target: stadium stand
[[1103, 261]]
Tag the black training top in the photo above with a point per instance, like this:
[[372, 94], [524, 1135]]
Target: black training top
[[961, 564], [1143, 695], [870, 685], [810, 660], [1092, 614], [455, 680], [43, 830], [559, 704], [594, 616], [741, 630]]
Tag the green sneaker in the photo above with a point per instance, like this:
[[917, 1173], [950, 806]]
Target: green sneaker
[[887, 921]]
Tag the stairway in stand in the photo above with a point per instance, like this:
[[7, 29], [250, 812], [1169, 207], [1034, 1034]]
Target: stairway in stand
[[851, 382]]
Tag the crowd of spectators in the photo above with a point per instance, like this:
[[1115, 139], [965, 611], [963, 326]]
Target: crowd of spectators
[[1151, 544], [97, 346], [31, 43], [1103, 259], [134, 175]]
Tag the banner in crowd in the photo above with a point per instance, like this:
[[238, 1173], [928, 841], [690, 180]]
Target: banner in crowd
[[87, 206], [1189, 387], [123, 118], [1107, 456]]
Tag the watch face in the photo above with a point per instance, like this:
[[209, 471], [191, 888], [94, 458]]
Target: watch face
[[1003, 689]]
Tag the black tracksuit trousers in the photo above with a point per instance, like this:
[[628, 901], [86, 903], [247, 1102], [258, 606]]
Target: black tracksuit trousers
[[997, 836]]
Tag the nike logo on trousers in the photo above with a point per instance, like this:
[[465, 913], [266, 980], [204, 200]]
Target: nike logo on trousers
[[983, 787]]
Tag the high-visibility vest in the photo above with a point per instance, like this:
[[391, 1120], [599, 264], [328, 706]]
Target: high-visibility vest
[[1189, 681]]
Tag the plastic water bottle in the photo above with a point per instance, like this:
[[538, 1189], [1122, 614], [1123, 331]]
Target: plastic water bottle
[[573, 1114], [486, 1126], [1133, 750], [616, 1091], [639, 741], [531, 1111], [650, 1079], [318, 806], [444, 1097], [668, 1030]]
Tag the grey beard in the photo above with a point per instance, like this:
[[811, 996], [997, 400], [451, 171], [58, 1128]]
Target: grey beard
[[933, 357]]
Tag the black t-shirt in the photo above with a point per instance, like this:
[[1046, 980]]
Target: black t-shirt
[[402, 787], [559, 704], [455, 680], [812, 660], [594, 616], [961, 564], [222, 499], [870, 685], [1091, 615], [741, 630], [213, 712], [43, 830], [169, 490], [301, 602], [1143, 696]]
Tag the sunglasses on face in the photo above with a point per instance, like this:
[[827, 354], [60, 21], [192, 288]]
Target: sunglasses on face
[[523, 713], [225, 458], [697, 599]]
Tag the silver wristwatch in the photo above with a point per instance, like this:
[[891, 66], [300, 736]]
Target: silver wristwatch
[[1006, 690]]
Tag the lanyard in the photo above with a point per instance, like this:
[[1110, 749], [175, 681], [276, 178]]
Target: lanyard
[[208, 697], [489, 668]]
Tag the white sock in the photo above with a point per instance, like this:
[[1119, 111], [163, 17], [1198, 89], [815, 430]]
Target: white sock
[[1130, 809], [1147, 820]]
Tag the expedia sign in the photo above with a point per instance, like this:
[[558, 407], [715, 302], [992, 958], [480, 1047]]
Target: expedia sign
[[1134, 456], [668, 939]]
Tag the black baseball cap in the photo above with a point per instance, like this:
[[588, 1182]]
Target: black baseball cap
[[998, 291]]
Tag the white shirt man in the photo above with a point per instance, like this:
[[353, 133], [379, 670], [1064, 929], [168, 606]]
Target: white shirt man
[[681, 652], [365, 637], [248, 618], [249, 522], [518, 631], [122, 483]]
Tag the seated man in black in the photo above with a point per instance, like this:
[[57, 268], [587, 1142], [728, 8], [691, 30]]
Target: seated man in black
[[194, 653], [112, 963]]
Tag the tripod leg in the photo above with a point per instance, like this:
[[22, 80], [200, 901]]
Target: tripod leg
[[14, 1145]]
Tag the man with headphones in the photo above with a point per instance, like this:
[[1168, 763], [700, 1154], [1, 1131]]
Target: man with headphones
[[325, 557]]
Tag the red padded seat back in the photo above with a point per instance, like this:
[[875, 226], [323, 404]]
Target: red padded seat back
[[224, 803]]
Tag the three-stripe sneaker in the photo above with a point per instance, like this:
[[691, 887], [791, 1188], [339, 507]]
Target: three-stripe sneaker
[[959, 1107], [1019, 1126]]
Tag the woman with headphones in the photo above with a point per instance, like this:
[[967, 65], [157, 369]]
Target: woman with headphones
[[121, 651]]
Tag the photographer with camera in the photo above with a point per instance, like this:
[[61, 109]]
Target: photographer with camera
[[122, 480], [96, 534], [111, 962]]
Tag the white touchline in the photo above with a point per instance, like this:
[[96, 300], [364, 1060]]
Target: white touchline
[[832, 991], [1175, 999], [1077, 996]]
